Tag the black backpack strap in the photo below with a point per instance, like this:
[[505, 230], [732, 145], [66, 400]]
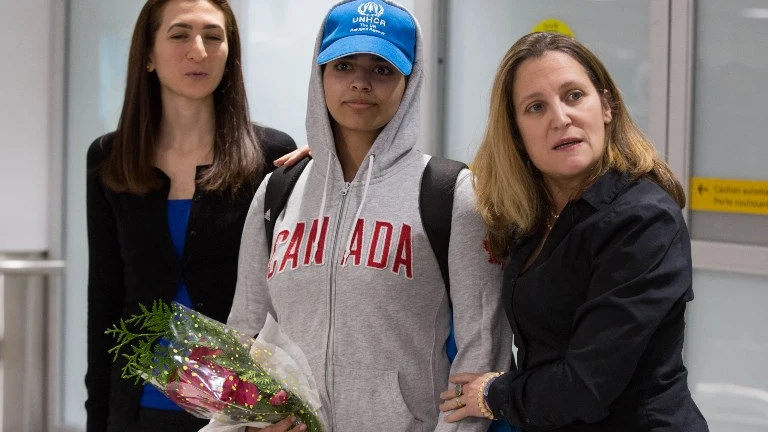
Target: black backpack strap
[[438, 184], [279, 188]]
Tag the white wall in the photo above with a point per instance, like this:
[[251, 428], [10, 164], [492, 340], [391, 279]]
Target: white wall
[[26, 50]]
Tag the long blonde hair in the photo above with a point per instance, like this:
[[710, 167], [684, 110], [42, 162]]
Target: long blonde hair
[[511, 196]]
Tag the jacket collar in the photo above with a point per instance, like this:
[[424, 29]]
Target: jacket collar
[[606, 189]]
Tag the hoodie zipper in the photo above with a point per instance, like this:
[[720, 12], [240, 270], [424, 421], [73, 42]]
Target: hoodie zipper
[[332, 298]]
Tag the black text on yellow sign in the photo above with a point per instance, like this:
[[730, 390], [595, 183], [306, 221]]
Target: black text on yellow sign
[[553, 25], [729, 196]]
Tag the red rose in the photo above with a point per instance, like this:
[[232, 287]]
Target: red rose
[[192, 397], [209, 379], [230, 387], [175, 392], [280, 398], [247, 394], [201, 353]]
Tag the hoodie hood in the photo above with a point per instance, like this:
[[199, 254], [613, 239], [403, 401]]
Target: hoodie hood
[[395, 141]]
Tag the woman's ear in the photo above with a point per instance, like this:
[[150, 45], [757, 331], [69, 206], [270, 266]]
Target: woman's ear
[[151, 63], [606, 100]]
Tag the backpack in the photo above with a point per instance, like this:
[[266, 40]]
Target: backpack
[[438, 183]]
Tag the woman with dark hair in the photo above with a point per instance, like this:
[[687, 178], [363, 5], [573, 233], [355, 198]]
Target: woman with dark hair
[[168, 193], [598, 268]]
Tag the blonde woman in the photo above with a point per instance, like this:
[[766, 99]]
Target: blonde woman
[[598, 269]]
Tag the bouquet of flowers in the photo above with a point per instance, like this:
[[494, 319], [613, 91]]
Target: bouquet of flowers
[[213, 371]]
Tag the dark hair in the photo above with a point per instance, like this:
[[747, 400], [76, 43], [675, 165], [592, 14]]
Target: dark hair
[[237, 156]]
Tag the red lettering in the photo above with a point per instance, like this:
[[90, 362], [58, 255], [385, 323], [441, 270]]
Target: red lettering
[[355, 244], [491, 259], [380, 228], [292, 253], [282, 236], [320, 250], [404, 254]]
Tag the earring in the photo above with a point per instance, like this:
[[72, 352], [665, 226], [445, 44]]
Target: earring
[[150, 68]]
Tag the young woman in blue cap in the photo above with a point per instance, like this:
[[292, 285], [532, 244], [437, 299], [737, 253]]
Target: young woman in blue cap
[[350, 275]]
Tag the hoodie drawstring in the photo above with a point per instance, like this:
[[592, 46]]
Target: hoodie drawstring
[[359, 208], [322, 204]]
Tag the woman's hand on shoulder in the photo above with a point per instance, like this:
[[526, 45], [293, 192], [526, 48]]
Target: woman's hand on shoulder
[[291, 158], [284, 425]]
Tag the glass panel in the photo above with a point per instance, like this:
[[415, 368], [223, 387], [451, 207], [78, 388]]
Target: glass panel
[[727, 350], [278, 52], [99, 36], [473, 55], [731, 63]]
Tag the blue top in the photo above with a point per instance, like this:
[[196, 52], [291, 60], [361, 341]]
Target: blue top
[[178, 219]]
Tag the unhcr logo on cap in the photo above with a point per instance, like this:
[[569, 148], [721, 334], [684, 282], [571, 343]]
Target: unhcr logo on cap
[[369, 14], [371, 9]]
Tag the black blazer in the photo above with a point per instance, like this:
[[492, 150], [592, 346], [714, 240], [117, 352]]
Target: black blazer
[[598, 317], [132, 261]]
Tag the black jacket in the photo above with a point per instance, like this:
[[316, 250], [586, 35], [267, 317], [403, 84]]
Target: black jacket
[[132, 260], [598, 317]]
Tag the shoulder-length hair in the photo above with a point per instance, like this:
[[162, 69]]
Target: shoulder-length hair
[[512, 198], [237, 156]]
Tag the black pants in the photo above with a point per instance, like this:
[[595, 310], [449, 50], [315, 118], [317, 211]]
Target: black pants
[[154, 420]]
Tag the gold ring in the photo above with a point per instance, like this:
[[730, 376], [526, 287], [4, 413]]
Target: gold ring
[[457, 400], [458, 389]]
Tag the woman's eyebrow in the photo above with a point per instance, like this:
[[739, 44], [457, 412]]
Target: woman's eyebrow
[[189, 26]]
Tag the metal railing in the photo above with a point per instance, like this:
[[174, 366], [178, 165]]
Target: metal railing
[[31, 267], [29, 302]]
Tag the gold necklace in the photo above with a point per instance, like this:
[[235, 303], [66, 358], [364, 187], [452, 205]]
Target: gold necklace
[[552, 221]]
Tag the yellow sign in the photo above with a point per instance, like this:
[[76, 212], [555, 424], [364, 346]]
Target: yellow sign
[[729, 196], [553, 25]]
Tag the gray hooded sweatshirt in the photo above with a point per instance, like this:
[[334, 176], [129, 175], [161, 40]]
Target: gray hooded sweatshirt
[[351, 277]]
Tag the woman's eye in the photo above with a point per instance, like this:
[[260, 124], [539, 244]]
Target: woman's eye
[[382, 70], [575, 95], [534, 107], [178, 36], [215, 38], [342, 66]]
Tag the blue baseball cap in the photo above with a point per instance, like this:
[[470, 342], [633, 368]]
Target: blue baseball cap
[[370, 27]]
